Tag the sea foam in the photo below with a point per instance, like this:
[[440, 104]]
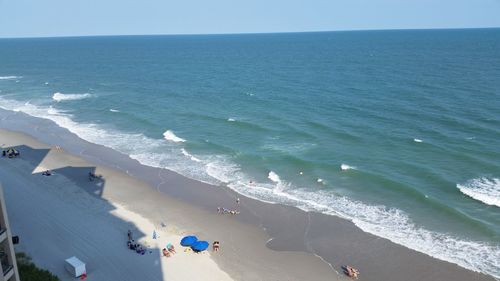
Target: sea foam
[[482, 189], [187, 154], [345, 167], [170, 136], [10, 77], [274, 177], [63, 97]]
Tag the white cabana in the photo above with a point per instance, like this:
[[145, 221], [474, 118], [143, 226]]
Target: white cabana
[[75, 266]]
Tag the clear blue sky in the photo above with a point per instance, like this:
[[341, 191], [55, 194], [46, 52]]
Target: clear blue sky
[[27, 18]]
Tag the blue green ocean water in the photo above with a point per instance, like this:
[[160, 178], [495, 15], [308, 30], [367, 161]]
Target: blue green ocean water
[[398, 131]]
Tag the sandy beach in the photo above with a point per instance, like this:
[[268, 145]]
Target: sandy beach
[[91, 219], [56, 219], [66, 214]]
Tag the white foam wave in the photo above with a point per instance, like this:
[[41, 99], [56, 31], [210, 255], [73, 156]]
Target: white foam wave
[[274, 177], [418, 140], [63, 97], [187, 154], [396, 226], [482, 189], [10, 77], [155, 152], [114, 110], [392, 224], [53, 111], [231, 120], [170, 136], [345, 167], [389, 223]]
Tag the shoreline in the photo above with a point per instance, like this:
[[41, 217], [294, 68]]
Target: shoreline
[[281, 237]]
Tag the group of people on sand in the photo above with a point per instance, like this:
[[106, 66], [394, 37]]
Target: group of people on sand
[[169, 250], [11, 153], [134, 246], [351, 271], [138, 248], [224, 211], [93, 176], [47, 173]]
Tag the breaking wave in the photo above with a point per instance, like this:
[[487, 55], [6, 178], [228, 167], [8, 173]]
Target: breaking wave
[[10, 77], [170, 136], [345, 167], [482, 189], [187, 154], [274, 177], [63, 97]]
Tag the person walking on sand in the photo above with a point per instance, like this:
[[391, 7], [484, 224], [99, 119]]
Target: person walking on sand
[[215, 246], [129, 234], [238, 200]]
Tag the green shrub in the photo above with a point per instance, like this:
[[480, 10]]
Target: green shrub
[[29, 272]]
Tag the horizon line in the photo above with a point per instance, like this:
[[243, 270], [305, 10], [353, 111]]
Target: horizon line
[[246, 33]]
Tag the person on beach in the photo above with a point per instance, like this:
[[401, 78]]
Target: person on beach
[[165, 253], [91, 176], [351, 272], [171, 248], [215, 246], [129, 234], [140, 250], [238, 200]]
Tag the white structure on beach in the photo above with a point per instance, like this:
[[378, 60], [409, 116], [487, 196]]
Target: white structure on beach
[[7, 256]]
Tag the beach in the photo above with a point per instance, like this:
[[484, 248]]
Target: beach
[[65, 214]]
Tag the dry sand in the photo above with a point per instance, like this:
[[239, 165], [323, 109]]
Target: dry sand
[[56, 219]]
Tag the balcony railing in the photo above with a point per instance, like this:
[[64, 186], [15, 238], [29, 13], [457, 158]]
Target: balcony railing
[[4, 260]]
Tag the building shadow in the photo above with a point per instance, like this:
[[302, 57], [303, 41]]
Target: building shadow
[[65, 215]]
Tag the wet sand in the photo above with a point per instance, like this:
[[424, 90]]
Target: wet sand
[[264, 242]]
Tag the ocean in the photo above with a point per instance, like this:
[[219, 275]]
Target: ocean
[[398, 131]]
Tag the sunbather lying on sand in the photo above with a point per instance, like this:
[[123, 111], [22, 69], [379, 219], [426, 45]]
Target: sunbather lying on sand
[[165, 252], [171, 248], [351, 271]]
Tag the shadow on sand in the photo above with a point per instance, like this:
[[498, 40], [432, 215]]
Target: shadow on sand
[[85, 231]]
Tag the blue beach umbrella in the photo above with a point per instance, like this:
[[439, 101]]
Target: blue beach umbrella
[[188, 241], [199, 246]]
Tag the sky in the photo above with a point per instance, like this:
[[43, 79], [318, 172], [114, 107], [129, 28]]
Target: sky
[[42, 18]]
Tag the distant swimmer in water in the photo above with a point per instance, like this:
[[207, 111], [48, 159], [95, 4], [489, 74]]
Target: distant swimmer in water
[[301, 173]]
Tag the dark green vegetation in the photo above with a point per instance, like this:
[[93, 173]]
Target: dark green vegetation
[[29, 272]]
